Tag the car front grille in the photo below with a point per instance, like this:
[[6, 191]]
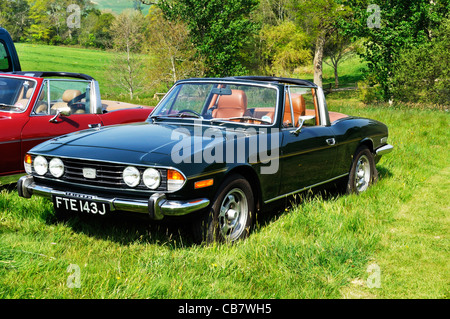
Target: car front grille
[[107, 174]]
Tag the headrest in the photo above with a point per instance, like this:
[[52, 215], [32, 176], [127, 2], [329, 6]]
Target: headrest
[[69, 95], [29, 93], [237, 100], [234, 105]]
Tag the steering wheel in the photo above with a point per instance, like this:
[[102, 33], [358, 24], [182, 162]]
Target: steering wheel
[[76, 99], [191, 111]]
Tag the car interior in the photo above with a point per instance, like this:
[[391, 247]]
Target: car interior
[[63, 99]]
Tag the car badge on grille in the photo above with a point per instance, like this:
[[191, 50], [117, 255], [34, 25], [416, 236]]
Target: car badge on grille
[[90, 173]]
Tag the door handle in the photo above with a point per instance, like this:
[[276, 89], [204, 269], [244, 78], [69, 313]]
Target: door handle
[[331, 141], [95, 126]]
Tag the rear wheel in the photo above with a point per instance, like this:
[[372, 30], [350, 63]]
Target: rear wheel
[[363, 172], [231, 215]]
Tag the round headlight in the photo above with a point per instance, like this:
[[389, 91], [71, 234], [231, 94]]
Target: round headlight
[[56, 167], [151, 178], [40, 165], [131, 176]]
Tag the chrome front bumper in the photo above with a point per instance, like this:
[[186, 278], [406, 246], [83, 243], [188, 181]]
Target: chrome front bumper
[[384, 150], [157, 206]]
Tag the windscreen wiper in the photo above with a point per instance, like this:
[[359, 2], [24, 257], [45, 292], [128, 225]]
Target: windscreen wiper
[[4, 106], [244, 118], [179, 115]]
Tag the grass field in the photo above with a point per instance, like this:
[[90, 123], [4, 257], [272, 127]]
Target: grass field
[[117, 6], [390, 242]]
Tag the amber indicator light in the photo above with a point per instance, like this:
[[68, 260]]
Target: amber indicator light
[[205, 183], [174, 175], [28, 159]]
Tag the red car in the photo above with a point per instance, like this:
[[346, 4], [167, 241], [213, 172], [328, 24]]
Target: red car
[[37, 106]]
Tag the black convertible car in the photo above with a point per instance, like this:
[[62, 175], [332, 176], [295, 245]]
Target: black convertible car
[[218, 149]]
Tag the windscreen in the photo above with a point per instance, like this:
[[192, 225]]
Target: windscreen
[[15, 94], [241, 103]]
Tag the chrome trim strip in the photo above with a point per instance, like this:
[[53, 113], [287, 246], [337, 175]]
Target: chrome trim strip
[[29, 140], [307, 151], [232, 82], [323, 110], [95, 98], [10, 142], [304, 188], [207, 174], [29, 100]]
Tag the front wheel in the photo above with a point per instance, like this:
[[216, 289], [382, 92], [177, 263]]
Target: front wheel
[[231, 215], [363, 172]]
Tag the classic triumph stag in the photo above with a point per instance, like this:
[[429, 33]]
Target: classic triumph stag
[[218, 149]]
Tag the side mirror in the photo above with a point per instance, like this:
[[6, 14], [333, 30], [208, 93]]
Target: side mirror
[[302, 120], [65, 113]]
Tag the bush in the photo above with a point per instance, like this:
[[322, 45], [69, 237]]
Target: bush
[[423, 73], [369, 93]]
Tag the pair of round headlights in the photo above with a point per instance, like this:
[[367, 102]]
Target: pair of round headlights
[[132, 177], [42, 166]]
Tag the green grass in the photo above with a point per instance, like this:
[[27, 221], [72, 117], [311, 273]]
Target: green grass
[[350, 71], [318, 248], [117, 6]]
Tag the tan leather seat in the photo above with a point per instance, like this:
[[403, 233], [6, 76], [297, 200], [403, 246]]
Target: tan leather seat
[[234, 105], [298, 106], [42, 108], [22, 103], [68, 96], [334, 116]]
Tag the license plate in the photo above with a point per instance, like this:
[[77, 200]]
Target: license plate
[[81, 205]]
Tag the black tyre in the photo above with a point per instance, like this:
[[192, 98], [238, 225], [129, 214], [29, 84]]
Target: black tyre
[[363, 172], [231, 215]]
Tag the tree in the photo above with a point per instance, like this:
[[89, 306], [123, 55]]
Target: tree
[[338, 48], [274, 12], [219, 30], [127, 67], [285, 47], [423, 72], [399, 25], [14, 16], [320, 20], [102, 31], [168, 43], [49, 19], [40, 29]]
